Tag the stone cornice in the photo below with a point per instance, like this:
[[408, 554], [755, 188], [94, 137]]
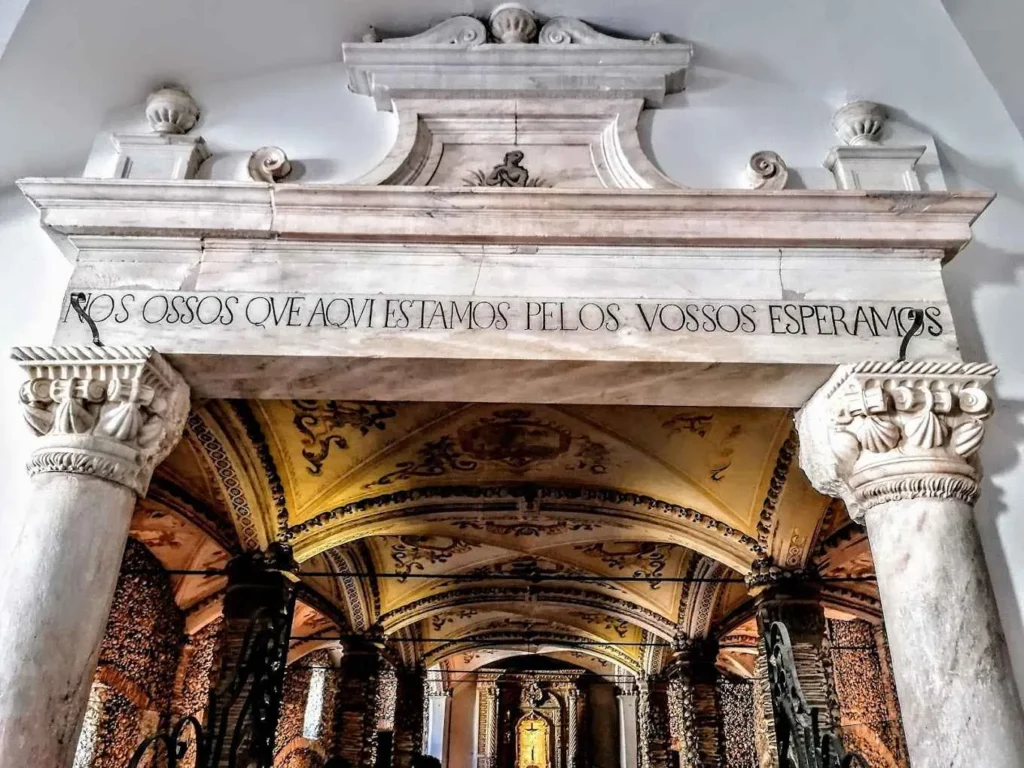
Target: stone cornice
[[878, 432], [797, 218], [518, 57], [109, 412]]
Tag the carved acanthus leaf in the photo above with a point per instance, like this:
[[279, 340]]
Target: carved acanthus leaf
[[111, 412], [879, 432]]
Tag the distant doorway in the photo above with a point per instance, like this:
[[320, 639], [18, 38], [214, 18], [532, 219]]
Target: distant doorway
[[385, 747], [533, 739]]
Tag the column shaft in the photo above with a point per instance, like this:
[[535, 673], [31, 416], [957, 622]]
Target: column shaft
[[409, 725], [628, 741], [707, 716], [487, 729], [652, 717], [258, 608], [355, 712], [573, 728], [56, 593], [790, 598], [948, 651], [437, 716]]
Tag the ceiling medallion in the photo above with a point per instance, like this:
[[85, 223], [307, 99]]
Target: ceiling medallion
[[514, 438], [533, 570], [511, 439], [451, 617]]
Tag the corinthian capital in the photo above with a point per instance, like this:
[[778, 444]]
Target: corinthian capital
[[879, 432], [111, 412]]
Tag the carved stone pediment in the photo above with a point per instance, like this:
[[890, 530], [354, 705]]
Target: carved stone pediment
[[561, 94]]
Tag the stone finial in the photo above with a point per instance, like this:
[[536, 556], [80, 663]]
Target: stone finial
[[766, 171], [269, 164], [171, 110], [513, 23], [110, 412], [878, 432], [860, 122]]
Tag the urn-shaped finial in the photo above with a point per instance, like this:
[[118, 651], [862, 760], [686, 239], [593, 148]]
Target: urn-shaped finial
[[860, 122], [171, 110], [512, 23]]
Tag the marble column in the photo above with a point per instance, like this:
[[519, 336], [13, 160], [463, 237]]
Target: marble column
[[898, 442], [104, 417], [437, 716], [628, 737]]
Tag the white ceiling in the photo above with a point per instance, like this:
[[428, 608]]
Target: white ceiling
[[69, 62]]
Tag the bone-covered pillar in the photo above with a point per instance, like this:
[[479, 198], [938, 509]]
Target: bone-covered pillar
[[789, 596], [692, 707], [898, 441], [355, 702], [104, 417], [409, 717]]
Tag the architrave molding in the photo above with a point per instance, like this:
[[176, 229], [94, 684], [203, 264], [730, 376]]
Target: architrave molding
[[186, 213]]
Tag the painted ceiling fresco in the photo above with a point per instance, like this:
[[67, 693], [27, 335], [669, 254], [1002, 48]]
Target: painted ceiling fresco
[[468, 533]]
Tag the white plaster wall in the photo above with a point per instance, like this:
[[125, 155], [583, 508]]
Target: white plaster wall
[[32, 272], [765, 77]]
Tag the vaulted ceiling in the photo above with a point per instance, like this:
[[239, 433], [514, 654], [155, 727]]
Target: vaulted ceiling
[[468, 533]]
